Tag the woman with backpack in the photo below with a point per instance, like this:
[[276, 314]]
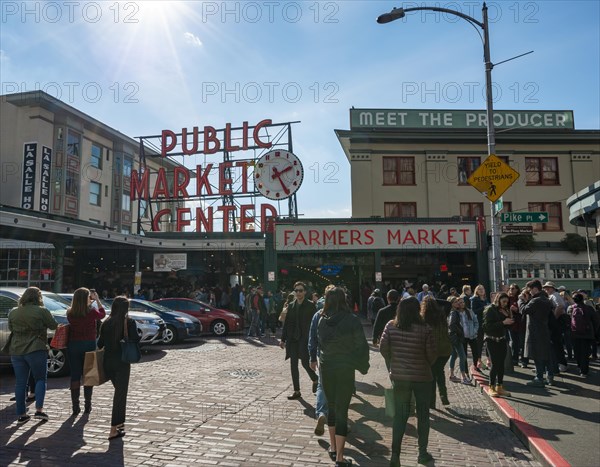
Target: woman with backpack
[[584, 325], [457, 338]]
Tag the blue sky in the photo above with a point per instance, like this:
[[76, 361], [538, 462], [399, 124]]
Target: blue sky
[[141, 67]]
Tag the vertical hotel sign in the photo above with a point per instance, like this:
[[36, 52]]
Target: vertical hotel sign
[[29, 159], [45, 179]]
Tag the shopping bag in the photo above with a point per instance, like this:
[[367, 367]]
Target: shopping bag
[[61, 337], [93, 368], [130, 350], [390, 408]]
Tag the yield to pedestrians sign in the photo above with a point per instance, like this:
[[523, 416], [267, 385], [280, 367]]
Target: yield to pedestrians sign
[[493, 177]]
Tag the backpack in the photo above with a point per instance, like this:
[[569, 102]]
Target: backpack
[[580, 323]]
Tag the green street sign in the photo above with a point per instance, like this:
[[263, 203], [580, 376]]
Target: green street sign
[[499, 205], [525, 217]]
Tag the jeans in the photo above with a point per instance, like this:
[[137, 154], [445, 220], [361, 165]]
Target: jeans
[[338, 384], [439, 378], [458, 350], [76, 353], [497, 351], [582, 347], [321, 405], [403, 390], [254, 324], [37, 363]]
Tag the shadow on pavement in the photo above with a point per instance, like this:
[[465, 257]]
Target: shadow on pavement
[[151, 355]]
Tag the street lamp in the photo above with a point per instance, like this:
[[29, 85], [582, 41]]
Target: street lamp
[[397, 13]]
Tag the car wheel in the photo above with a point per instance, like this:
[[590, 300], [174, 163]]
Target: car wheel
[[170, 335], [57, 362], [219, 328]]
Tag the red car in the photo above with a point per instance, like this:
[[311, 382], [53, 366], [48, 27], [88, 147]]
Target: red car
[[220, 322]]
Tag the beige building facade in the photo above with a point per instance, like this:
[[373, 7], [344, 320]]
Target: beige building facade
[[416, 164], [59, 161]]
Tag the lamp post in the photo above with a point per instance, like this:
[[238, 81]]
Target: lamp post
[[397, 13]]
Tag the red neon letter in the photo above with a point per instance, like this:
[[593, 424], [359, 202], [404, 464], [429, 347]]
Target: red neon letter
[[184, 146], [159, 215], [139, 187], [185, 180], [228, 146], [207, 222], [226, 210], [164, 147], [202, 179], [181, 222], [244, 166], [161, 187], [210, 135], [266, 210], [256, 136]]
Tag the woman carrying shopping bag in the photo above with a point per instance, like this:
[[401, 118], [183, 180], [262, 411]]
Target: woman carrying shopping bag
[[82, 315], [117, 329]]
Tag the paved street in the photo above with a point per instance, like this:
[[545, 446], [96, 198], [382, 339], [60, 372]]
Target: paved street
[[223, 402]]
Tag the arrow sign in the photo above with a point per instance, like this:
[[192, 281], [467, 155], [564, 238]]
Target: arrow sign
[[525, 217]]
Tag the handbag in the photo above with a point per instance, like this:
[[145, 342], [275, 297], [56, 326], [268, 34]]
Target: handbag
[[130, 350], [93, 368], [61, 337], [390, 406], [6, 347]]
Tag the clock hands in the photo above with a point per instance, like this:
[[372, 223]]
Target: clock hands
[[277, 174]]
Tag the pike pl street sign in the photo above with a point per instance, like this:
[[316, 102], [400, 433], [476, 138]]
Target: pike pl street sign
[[525, 217]]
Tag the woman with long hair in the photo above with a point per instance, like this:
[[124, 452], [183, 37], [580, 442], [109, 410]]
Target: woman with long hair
[[82, 316], [479, 301], [408, 347], [343, 350], [456, 333], [29, 323], [435, 317], [118, 371], [497, 317]]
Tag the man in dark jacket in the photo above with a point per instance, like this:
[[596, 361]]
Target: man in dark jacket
[[294, 337], [534, 304], [385, 314]]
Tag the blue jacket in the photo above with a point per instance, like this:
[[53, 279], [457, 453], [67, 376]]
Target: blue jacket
[[313, 341]]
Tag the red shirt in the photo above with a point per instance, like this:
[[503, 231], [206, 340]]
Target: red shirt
[[83, 328]]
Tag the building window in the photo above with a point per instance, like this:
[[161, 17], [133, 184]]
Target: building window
[[72, 185], [471, 210], [541, 170], [127, 167], [143, 208], [398, 170], [400, 209], [554, 211], [126, 202], [73, 144], [506, 207], [466, 166], [96, 156], [125, 230], [95, 193], [526, 271]]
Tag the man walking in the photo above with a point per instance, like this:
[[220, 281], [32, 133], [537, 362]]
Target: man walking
[[294, 337], [385, 314]]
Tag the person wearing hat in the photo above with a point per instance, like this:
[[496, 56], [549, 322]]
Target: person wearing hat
[[562, 321], [424, 293], [374, 304]]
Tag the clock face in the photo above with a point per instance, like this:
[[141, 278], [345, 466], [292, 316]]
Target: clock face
[[278, 174]]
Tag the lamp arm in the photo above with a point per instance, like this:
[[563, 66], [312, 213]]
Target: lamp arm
[[446, 10]]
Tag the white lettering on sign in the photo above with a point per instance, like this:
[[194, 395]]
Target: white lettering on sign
[[375, 236]]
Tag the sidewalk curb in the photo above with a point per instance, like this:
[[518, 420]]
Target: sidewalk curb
[[539, 447]]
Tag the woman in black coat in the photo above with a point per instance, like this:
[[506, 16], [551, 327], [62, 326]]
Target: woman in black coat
[[111, 333]]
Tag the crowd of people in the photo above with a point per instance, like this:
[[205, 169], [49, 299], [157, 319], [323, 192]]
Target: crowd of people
[[419, 335]]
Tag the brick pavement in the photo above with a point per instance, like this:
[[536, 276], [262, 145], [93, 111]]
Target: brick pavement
[[223, 402]]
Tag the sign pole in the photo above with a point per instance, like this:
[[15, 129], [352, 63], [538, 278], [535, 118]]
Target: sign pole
[[497, 281]]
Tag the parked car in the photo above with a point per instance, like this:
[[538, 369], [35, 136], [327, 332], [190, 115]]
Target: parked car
[[151, 328], [58, 364], [219, 322], [180, 326]]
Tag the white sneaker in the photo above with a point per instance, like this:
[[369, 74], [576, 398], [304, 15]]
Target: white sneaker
[[562, 367]]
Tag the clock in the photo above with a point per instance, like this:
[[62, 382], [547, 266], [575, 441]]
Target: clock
[[278, 174]]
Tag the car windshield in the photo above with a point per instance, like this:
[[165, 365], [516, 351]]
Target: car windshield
[[154, 306], [55, 305]]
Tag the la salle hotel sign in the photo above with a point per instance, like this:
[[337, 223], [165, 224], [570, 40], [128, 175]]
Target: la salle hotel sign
[[375, 237], [459, 119]]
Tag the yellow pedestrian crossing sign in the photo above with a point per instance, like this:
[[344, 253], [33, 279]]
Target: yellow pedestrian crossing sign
[[493, 177]]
